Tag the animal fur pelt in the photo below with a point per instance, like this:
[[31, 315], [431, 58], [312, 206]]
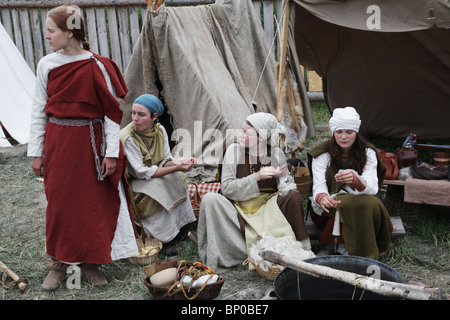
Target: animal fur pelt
[[290, 113]]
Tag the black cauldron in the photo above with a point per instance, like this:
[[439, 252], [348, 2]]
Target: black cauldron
[[290, 284]]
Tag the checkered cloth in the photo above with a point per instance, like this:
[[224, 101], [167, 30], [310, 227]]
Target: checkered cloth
[[204, 188]]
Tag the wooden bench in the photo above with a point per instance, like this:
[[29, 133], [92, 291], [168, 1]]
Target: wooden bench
[[399, 231], [314, 231], [393, 182]]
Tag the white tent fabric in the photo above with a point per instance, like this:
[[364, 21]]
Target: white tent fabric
[[17, 83]]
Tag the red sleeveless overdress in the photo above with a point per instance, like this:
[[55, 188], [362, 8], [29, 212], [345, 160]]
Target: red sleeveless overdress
[[82, 212]]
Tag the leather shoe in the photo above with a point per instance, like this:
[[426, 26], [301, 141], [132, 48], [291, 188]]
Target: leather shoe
[[93, 275]]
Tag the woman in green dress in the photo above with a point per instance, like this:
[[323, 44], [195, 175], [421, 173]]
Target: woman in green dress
[[347, 174]]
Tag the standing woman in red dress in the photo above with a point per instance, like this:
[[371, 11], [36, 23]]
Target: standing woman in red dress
[[76, 147]]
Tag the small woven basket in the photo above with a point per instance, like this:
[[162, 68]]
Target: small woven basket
[[209, 292], [143, 241], [179, 291], [303, 180], [270, 274], [147, 258]]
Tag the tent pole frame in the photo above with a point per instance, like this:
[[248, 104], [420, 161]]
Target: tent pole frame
[[283, 56]]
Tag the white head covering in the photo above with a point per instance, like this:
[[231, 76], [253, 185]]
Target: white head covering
[[345, 119], [266, 125]]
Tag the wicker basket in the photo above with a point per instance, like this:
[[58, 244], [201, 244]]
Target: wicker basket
[[270, 274], [209, 292], [146, 259], [303, 180]]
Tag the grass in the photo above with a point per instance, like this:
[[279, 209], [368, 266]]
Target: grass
[[434, 230], [321, 114], [422, 255]]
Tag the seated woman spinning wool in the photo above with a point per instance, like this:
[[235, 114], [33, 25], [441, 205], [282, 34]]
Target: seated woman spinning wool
[[347, 173], [250, 203], [158, 186]]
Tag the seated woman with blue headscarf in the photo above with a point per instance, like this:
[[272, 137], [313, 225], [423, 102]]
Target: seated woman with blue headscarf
[[158, 187]]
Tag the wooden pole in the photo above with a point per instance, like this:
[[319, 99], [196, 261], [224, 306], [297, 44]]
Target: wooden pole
[[283, 56], [382, 287], [21, 283]]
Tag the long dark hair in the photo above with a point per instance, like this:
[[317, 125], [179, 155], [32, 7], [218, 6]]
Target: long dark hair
[[62, 15], [356, 159]]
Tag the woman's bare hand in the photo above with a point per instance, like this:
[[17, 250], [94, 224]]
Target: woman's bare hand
[[108, 167], [265, 173], [345, 177], [38, 166], [327, 202], [281, 172], [185, 164]]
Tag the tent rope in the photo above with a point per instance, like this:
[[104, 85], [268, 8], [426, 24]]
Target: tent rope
[[268, 54]]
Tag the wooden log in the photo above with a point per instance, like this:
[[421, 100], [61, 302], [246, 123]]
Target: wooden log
[[17, 35], [80, 3], [38, 35], [92, 29], [192, 237], [382, 287], [97, 3], [102, 33], [26, 34], [21, 283], [114, 37], [124, 33], [44, 13], [134, 26]]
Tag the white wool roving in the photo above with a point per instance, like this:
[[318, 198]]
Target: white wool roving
[[285, 245], [286, 184], [207, 278]]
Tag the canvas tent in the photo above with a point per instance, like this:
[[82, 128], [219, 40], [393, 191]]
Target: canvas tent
[[389, 59], [17, 83], [211, 65]]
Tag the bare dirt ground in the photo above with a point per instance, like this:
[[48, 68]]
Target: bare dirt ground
[[22, 248]]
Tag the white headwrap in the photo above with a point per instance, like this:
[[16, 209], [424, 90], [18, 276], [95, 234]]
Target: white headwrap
[[345, 119], [266, 125]]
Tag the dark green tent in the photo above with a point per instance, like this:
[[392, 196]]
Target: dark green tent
[[389, 59]]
